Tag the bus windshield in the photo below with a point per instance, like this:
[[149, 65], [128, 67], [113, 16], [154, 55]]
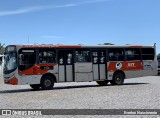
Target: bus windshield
[[10, 62]]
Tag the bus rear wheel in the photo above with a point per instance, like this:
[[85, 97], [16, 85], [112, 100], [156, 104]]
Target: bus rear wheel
[[102, 83], [47, 83], [118, 79], [35, 86]]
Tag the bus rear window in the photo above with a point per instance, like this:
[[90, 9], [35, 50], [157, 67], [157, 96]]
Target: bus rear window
[[147, 53]]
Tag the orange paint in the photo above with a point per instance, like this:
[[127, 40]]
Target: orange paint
[[68, 46], [13, 81], [128, 65], [35, 69], [135, 46], [51, 46]]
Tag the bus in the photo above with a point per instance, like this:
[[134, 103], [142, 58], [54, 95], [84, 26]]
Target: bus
[[42, 65]]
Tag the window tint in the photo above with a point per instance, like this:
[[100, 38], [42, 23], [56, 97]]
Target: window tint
[[147, 53], [116, 54], [99, 56], [61, 57], [47, 56], [83, 56], [27, 58], [65, 57], [132, 54]]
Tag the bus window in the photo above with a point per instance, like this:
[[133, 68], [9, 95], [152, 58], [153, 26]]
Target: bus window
[[99, 56], [61, 58], [132, 54], [69, 58], [46, 56], [83, 56], [95, 57], [116, 54], [147, 53], [65, 57], [27, 58]]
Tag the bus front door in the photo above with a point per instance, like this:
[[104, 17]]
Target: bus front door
[[65, 58], [99, 64]]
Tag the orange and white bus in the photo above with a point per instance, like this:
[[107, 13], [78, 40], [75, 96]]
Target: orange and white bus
[[41, 66]]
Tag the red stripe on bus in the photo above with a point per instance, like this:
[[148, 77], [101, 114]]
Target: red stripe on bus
[[13, 81], [69, 46], [52, 46], [36, 69], [135, 46], [128, 65]]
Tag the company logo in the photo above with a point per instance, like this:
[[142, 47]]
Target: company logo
[[131, 65], [118, 65], [147, 66], [21, 112], [6, 112]]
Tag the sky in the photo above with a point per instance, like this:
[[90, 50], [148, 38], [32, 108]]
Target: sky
[[88, 22]]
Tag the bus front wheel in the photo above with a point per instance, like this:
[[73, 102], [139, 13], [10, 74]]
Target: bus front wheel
[[118, 79], [47, 83], [35, 86]]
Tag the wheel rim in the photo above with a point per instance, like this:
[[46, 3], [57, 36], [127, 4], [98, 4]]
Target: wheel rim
[[119, 79], [47, 83]]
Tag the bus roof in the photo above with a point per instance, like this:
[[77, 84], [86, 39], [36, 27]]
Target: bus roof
[[81, 46]]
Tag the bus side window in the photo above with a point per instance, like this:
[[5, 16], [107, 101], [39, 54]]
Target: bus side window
[[69, 58], [113, 57], [61, 61], [27, 58], [61, 58], [116, 54], [83, 56], [46, 56], [147, 53], [132, 54]]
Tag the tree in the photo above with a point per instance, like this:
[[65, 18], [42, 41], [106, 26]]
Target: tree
[[1, 45]]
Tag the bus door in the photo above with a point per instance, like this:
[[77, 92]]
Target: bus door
[[99, 64], [83, 65], [65, 60]]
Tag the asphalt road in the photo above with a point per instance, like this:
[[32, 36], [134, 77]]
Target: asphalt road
[[136, 93]]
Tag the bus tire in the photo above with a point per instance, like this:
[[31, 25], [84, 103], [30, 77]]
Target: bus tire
[[102, 83], [47, 83], [118, 79], [35, 86]]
